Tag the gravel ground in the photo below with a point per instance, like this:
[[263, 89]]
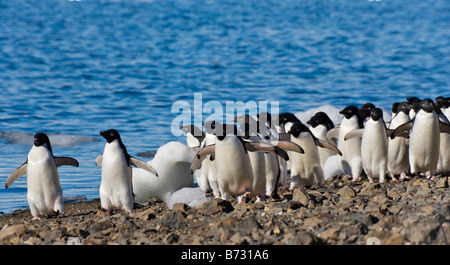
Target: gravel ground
[[414, 211]]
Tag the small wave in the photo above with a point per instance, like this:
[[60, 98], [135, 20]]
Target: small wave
[[56, 139]]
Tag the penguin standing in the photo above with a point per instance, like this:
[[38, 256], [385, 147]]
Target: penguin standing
[[374, 145], [44, 192], [424, 139], [443, 166], [305, 168], [351, 150], [233, 166], [398, 156], [320, 125], [116, 187]]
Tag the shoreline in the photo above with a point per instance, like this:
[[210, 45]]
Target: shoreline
[[413, 211]]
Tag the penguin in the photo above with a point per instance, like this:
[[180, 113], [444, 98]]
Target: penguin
[[443, 166], [320, 124], [305, 168], [116, 188], [350, 160], [233, 167], [424, 139], [172, 161], [194, 136], [207, 179], [364, 111], [374, 145], [415, 106], [44, 192], [398, 148]]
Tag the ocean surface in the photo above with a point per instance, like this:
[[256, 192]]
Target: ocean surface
[[73, 68]]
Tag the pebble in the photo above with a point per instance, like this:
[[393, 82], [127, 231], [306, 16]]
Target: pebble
[[414, 211]]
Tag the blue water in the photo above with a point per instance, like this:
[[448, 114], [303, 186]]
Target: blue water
[[73, 68]]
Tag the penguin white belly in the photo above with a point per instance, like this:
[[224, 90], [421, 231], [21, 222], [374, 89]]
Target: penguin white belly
[[116, 184], [374, 150], [424, 143], [44, 192], [398, 157], [320, 131], [234, 171], [443, 165], [351, 149], [272, 172], [305, 168]]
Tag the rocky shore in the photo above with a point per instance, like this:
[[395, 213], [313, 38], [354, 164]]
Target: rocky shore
[[414, 211]]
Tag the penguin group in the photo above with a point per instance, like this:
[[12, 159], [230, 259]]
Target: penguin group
[[252, 155]]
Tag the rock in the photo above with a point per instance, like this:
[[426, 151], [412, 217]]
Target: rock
[[11, 234], [301, 196], [330, 234], [347, 192], [305, 238], [442, 183], [73, 241], [174, 220]]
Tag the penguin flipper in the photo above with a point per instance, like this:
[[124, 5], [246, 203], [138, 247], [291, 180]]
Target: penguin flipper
[[262, 147], [402, 128], [142, 164], [201, 155], [290, 146], [99, 160], [325, 144], [444, 127], [20, 171], [66, 161], [333, 134], [354, 134]]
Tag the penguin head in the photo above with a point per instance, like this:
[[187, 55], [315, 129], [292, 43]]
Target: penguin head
[[321, 118], [192, 129], [376, 114], [404, 107], [427, 105], [415, 103], [349, 112], [40, 139], [442, 102], [297, 128], [110, 135], [286, 117], [395, 107]]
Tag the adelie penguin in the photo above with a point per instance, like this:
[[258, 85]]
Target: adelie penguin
[[424, 138], [234, 170], [350, 161], [116, 188], [398, 157], [44, 192], [320, 125], [374, 145], [305, 168]]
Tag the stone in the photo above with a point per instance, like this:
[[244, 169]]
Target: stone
[[174, 220], [305, 238], [330, 234], [346, 192], [442, 183], [12, 233], [301, 196]]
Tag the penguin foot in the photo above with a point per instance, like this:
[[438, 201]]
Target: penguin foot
[[429, 175], [403, 176], [36, 217], [357, 178]]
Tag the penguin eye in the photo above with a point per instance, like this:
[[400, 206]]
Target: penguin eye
[[111, 134]]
